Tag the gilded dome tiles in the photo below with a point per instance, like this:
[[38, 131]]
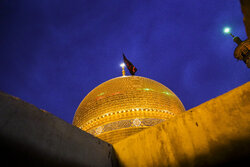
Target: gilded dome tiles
[[126, 103]]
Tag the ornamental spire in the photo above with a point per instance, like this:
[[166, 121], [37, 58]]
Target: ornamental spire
[[123, 70]]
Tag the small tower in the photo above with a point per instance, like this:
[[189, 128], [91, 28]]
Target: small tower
[[242, 51]]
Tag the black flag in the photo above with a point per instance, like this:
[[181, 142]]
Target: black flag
[[129, 65]]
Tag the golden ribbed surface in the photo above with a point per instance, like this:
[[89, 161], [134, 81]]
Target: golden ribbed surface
[[117, 135], [125, 104]]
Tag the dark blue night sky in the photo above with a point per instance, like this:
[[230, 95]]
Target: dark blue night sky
[[54, 52]]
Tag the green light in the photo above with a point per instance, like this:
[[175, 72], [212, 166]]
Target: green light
[[147, 89], [101, 94], [227, 30], [167, 93]]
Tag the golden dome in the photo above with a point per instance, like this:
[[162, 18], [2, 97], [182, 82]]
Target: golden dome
[[125, 105]]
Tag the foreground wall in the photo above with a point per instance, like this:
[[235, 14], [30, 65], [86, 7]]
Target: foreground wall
[[215, 133], [31, 137]]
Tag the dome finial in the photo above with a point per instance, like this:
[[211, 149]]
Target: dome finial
[[123, 70]]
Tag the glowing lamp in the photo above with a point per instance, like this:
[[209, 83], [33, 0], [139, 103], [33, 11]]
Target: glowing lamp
[[122, 65], [227, 30]]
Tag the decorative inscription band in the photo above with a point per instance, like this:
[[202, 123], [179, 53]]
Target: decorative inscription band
[[146, 112], [137, 122]]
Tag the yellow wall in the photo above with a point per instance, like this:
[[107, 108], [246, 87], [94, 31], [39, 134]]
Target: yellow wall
[[213, 133]]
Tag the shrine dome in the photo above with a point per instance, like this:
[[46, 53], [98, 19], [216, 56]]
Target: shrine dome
[[124, 106]]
